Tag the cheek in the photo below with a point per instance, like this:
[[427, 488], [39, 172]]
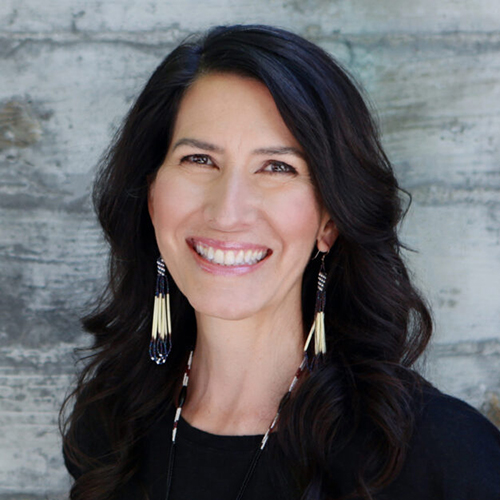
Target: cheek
[[169, 204], [298, 217]]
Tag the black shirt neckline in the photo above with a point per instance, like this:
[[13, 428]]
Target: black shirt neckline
[[186, 432]]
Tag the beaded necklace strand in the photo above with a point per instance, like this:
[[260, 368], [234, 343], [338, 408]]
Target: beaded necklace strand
[[258, 452]]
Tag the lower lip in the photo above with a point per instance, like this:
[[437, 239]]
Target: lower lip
[[213, 268]]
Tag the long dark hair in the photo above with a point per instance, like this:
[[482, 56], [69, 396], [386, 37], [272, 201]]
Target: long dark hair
[[377, 324]]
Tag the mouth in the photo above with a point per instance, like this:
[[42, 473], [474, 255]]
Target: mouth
[[234, 256]]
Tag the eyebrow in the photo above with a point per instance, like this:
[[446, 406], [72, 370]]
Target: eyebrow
[[277, 150]]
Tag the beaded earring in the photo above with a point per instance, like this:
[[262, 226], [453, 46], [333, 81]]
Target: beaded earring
[[161, 332], [318, 326]]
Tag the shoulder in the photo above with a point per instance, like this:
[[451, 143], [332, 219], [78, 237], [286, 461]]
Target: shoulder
[[454, 452], [445, 423]]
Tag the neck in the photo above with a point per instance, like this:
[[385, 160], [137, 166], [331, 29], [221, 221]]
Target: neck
[[241, 370]]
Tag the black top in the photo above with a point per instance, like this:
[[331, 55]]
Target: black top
[[206, 466], [454, 454]]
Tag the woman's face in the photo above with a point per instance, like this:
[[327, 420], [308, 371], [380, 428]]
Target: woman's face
[[233, 206]]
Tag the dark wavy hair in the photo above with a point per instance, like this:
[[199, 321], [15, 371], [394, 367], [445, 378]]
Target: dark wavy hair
[[377, 324]]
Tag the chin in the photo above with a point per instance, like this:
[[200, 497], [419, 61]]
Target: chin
[[224, 309]]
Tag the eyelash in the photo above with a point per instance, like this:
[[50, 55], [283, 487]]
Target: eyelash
[[190, 158], [282, 165], [288, 169]]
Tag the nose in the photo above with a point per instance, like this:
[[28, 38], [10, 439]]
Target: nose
[[231, 203]]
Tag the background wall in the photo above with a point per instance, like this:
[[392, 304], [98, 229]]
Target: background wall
[[69, 70]]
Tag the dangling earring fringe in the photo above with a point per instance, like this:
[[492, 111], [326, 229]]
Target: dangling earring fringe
[[161, 332], [318, 326]]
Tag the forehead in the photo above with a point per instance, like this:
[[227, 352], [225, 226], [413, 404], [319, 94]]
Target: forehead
[[218, 86], [229, 104]]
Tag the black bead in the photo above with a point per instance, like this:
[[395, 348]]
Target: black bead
[[182, 396]]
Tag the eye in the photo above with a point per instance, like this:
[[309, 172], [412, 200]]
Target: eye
[[279, 167], [198, 159]]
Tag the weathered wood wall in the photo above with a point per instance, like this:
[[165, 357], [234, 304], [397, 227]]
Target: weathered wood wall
[[70, 69]]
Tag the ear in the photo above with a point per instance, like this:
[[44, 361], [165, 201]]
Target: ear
[[150, 200], [327, 235]]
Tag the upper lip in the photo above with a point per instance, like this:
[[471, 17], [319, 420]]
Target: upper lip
[[226, 245]]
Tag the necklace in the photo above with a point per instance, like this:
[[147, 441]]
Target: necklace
[[258, 452]]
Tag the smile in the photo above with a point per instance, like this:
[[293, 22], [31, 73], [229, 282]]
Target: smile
[[229, 257]]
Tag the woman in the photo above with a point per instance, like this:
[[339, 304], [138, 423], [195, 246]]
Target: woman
[[249, 189]]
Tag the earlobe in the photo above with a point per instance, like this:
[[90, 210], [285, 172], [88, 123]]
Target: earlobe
[[327, 236]]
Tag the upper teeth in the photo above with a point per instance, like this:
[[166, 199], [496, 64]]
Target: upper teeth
[[230, 257]]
